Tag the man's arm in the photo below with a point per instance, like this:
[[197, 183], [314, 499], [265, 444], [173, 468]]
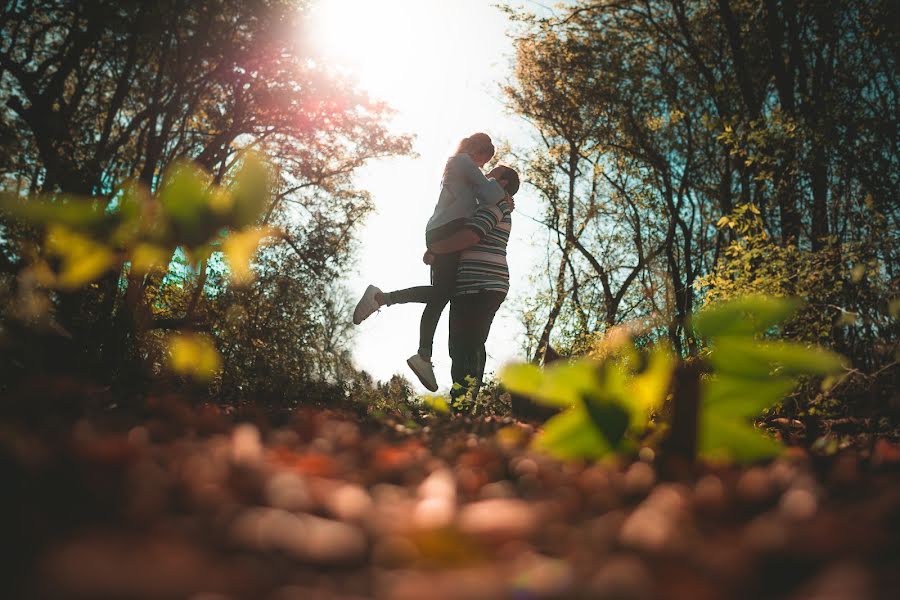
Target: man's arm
[[481, 223], [460, 240]]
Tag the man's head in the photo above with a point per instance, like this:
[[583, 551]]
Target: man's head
[[507, 178], [479, 146]]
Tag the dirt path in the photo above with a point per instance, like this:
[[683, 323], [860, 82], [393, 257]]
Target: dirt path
[[190, 506]]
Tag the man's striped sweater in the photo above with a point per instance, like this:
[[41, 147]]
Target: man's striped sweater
[[483, 266]]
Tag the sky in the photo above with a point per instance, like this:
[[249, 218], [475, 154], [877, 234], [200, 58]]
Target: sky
[[440, 65]]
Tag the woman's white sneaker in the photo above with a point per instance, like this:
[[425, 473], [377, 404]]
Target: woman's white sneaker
[[424, 370], [366, 305]]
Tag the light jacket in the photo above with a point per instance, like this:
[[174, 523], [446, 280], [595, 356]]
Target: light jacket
[[463, 188]]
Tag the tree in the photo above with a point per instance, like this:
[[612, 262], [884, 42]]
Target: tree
[[102, 93], [709, 108]]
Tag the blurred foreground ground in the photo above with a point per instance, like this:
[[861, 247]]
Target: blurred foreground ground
[[322, 504]]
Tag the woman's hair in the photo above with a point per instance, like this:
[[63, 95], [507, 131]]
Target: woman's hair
[[477, 143], [511, 177]]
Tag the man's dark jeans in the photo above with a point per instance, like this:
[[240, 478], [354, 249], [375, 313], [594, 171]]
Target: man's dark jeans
[[471, 316]]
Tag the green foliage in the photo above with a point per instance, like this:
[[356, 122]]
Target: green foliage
[[845, 299], [609, 402], [144, 232], [749, 375], [189, 212]]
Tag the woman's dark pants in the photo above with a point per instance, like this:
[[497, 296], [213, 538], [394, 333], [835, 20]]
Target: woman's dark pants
[[437, 295]]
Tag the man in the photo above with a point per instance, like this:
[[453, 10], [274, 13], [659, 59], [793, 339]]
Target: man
[[482, 283]]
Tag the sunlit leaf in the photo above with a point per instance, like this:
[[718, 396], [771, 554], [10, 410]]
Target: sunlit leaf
[[239, 247], [185, 198], [649, 388], [736, 397], [756, 359], [146, 257], [725, 439], [185, 192], [194, 354], [744, 316], [72, 212], [221, 200], [83, 259], [561, 384], [522, 378], [565, 382], [436, 403], [570, 435], [894, 308], [251, 191]]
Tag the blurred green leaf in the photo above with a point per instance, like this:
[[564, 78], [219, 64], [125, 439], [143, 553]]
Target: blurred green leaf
[[83, 259], [737, 397], [744, 316], [650, 387], [185, 192], [69, 211], [132, 199], [894, 308], [436, 403], [185, 197], [146, 257], [571, 434], [561, 384], [195, 355], [522, 378], [723, 438], [239, 247], [755, 359], [608, 417], [251, 191]]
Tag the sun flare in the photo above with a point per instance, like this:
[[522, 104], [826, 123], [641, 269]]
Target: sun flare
[[391, 47]]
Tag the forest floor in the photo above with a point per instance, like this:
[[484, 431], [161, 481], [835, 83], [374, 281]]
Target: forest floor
[[321, 503]]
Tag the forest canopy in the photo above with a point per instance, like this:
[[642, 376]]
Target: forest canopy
[[689, 152], [100, 96]]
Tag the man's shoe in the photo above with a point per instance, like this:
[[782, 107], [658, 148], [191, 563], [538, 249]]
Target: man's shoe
[[366, 305], [424, 370]]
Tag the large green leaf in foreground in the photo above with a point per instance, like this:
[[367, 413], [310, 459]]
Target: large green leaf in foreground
[[608, 403]]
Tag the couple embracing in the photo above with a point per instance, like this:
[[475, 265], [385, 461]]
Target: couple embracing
[[466, 241]]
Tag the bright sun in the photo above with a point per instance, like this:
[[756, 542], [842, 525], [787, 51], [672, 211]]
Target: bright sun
[[409, 51], [387, 44]]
